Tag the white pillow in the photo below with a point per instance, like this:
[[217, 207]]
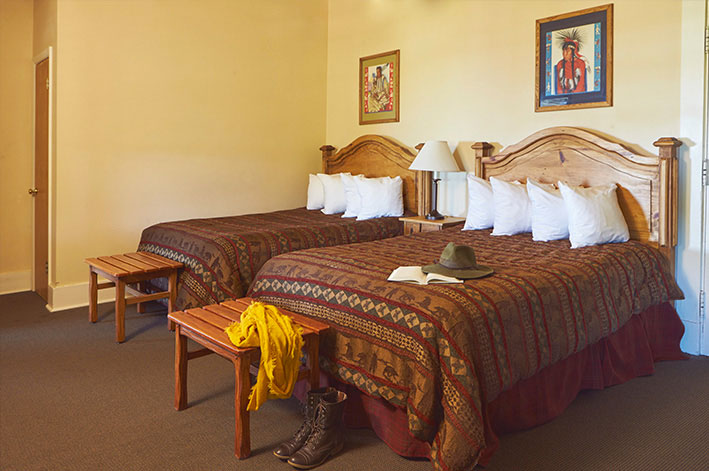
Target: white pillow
[[334, 191], [316, 195], [481, 212], [549, 219], [594, 215], [513, 210], [353, 202], [380, 197]]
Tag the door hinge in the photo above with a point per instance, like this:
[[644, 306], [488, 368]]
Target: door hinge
[[706, 40], [46, 268], [702, 307], [47, 83], [705, 176]]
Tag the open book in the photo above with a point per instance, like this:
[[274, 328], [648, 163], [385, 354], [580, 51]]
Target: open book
[[416, 275]]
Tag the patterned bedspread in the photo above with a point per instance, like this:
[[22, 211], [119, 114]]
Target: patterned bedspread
[[443, 351], [222, 255]]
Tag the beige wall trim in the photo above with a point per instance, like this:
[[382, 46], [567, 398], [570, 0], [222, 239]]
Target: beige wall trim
[[15, 281], [76, 295], [46, 54]]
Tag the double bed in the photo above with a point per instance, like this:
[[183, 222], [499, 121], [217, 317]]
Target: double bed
[[439, 370], [222, 255]]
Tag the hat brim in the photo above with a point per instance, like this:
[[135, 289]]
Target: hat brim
[[463, 274]]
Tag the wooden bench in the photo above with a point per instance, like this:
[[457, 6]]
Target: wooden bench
[[206, 327], [130, 268]]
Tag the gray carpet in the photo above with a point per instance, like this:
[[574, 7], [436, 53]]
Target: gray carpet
[[71, 398]]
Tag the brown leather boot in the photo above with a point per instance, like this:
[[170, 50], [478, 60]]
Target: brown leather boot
[[286, 449], [327, 437]]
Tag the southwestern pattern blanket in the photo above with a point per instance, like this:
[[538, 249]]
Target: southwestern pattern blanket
[[222, 255], [444, 351]]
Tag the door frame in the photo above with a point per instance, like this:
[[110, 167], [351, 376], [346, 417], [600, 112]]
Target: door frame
[[45, 54], [703, 337]]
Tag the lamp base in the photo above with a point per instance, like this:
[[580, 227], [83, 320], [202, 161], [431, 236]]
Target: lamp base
[[434, 215]]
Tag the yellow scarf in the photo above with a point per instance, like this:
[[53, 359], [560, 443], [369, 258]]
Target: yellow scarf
[[281, 341]]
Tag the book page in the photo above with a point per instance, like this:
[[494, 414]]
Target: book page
[[416, 275], [409, 275], [438, 278]]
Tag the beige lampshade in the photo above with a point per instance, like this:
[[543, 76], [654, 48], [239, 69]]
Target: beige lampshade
[[435, 156]]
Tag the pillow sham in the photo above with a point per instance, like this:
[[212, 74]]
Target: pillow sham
[[513, 212], [353, 202], [594, 215], [481, 211], [334, 191], [380, 197], [316, 197], [549, 219]]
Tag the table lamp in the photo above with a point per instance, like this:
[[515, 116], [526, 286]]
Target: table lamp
[[435, 156]]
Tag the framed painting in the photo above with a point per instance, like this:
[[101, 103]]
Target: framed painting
[[379, 88], [575, 60]]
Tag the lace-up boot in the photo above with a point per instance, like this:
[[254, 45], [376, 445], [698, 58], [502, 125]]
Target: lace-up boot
[[286, 449], [327, 437]]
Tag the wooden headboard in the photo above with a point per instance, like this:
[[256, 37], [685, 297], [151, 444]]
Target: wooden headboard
[[647, 183], [379, 156]]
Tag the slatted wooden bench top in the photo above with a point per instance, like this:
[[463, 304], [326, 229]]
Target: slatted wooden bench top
[[131, 268], [135, 263], [206, 326], [210, 322]]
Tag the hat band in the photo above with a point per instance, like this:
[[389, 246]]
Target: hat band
[[468, 267]]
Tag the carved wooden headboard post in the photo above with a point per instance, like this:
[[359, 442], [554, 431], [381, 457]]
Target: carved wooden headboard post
[[669, 164], [423, 192], [327, 152], [423, 185], [482, 149]]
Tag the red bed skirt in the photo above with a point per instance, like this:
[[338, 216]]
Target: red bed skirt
[[650, 336]]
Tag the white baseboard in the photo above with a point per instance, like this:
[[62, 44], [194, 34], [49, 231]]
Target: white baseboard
[[15, 281], [77, 295]]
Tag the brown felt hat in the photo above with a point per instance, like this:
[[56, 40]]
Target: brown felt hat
[[458, 261]]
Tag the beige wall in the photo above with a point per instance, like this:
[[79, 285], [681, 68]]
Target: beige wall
[[45, 25], [16, 98], [467, 74], [467, 69], [181, 109]]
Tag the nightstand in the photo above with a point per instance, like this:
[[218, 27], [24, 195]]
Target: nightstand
[[421, 224]]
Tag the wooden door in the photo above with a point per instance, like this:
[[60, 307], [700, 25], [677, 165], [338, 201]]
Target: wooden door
[[41, 181]]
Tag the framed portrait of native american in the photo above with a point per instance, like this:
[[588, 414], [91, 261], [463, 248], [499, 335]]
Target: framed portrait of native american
[[379, 88], [575, 60]]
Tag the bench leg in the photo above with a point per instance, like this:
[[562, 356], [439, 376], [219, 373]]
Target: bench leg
[[140, 307], [313, 363], [93, 295], [242, 437], [171, 300], [120, 311], [180, 370]]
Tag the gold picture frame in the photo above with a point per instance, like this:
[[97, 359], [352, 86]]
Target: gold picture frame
[[379, 88], [574, 61]]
